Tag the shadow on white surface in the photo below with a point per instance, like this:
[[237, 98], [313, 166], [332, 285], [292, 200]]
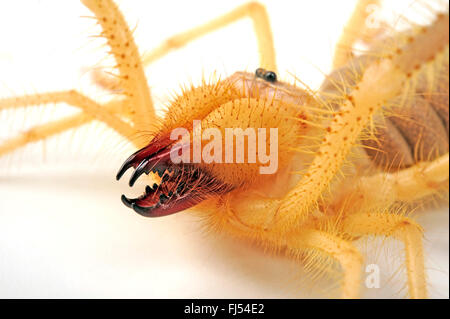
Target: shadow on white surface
[[69, 236]]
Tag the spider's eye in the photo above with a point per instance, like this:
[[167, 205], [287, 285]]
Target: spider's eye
[[270, 76]]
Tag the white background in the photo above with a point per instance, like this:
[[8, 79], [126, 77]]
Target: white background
[[64, 231]]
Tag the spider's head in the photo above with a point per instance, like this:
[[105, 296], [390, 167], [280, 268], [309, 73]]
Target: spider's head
[[233, 135]]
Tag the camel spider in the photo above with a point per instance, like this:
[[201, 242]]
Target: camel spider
[[328, 224]]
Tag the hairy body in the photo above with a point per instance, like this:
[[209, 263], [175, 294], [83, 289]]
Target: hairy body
[[252, 219]]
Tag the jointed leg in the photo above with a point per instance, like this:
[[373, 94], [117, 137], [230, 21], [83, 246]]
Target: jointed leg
[[132, 78], [132, 83], [344, 252], [356, 113], [418, 181], [72, 98], [91, 110], [383, 189], [403, 229], [44, 131], [252, 10], [354, 30]]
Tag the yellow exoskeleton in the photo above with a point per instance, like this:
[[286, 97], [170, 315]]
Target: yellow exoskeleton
[[352, 156]]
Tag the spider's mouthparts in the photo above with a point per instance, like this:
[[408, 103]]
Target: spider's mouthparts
[[181, 187]]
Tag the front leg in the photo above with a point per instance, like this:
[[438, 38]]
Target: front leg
[[254, 218], [91, 110], [131, 77], [253, 10]]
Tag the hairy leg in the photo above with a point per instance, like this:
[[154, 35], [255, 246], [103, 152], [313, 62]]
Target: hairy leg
[[343, 251], [383, 189], [91, 110], [401, 228], [138, 104], [253, 10], [356, 113], [131, 73]]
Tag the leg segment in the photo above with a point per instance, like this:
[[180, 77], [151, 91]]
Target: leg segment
[[354, 30], [418, 181], [41, 132], [402, 228], [132, 82], [383, 189], [44, 131], [91, 110], [131, 73], [252, 10], [344, 252]]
